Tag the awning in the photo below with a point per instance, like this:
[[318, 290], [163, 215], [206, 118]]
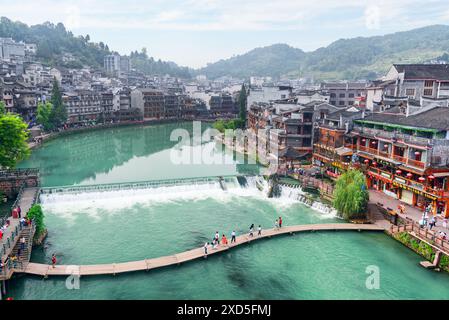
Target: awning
[[441, 174], [343, 151]]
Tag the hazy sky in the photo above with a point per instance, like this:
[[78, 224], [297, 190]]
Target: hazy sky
[[196, 32]]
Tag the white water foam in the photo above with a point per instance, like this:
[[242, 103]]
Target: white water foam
[[96, 203]]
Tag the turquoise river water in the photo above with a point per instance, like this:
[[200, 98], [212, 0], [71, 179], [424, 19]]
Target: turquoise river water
[[119, 226]]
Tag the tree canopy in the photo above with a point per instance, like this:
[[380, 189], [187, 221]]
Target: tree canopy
[[13, 140], [351, 195], [45, 115], [59, 112]]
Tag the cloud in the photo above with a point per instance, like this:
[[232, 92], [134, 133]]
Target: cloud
[[229, 15]]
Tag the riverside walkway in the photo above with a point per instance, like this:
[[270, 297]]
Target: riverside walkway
[[176, 259]]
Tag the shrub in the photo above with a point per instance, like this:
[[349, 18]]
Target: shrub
[[37, 214]]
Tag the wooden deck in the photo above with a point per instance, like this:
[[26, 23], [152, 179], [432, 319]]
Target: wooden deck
[[148, 264]]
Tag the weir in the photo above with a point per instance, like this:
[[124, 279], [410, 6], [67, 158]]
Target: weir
[[238, 185]]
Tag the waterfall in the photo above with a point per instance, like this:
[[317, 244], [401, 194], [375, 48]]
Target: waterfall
[[296, 193], [219, 188]]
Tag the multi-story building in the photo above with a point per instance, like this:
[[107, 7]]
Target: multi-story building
[[332, 149], [405, 155], [411, 82], [344, 94], [112, 63], [83, 106], [222, 105]]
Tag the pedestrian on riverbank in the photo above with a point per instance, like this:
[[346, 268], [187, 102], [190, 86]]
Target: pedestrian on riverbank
[[259, 232], [432, 223], [276, 224], [233, 240], [280, 222], [19, 211], [251, 230], [53, 260]]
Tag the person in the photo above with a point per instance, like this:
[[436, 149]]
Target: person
[[224, 240], [13, 260], [217, 237], [251, 230], [432, 223], [233, 237], [214, 244], [205, 248], [15, 213], [53, 260], [259, 233], [19, 211], [276, 224], [280, 222], [22, 243], [442, 235]]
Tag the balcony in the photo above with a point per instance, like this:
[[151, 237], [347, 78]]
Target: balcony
[[403, 160]]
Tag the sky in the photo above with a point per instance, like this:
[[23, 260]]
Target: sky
[[196, 32]]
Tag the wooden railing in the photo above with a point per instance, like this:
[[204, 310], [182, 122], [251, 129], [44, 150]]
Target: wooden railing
[[407, 161], [413, 227]]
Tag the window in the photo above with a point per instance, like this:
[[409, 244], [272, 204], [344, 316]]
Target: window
[[410, 92], [342, 95], [351, 95], [333, 95], [351, 103], [341, 103], [428, 83], [428, 92]]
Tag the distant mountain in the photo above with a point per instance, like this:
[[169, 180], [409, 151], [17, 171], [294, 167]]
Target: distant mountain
[[362, 57], [55, 43]]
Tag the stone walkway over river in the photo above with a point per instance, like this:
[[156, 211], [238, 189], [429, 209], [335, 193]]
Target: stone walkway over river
[[176, 259]]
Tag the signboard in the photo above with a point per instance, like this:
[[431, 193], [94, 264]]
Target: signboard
[[419, 192]]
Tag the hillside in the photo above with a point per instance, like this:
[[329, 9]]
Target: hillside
[[362, 57], [54, 42]]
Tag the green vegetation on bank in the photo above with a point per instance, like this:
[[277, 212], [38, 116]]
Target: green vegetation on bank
[[58, 47], [240, 123], [52, 114], [351, 195], [13, 139], [421, 248], [37, 214]]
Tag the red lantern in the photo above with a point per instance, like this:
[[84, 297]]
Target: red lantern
[[421, 179], [417, 153], [373, 142], [363, 140], [398, 171], [409, 175], [431, 177], [366, 161], [374, 163], [385, 146]]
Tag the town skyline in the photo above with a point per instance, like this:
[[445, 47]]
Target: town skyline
[[194, 33]]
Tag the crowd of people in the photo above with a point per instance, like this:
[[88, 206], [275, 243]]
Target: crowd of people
[[224, 240]]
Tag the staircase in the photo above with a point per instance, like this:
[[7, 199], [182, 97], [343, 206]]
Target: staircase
[[24, 258]]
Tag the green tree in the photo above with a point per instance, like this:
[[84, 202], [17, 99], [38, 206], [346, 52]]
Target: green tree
[[13, 140], [242, 104], [37, 214], [351, 195], [45, 115], [59, 113], [2, 108]]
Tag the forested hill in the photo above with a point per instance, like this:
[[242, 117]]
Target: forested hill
[[362, 57], [54, 42]]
